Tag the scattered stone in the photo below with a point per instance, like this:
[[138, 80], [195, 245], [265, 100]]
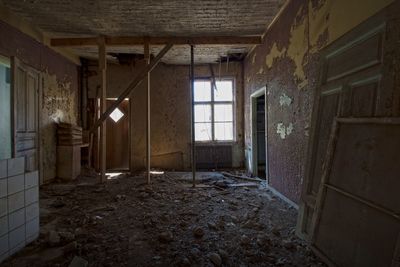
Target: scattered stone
[[215, 259], [195, 253], [166, 237], [212, 226], [198, 232], [78, 262], [184, 262], [53, 238], [276, 231], [58, 203], [224, 254], [120, 197], [66, 237], [263, 240], [289, 245], [143, 195], [245, 240]]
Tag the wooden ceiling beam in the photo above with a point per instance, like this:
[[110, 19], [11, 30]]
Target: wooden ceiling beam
[[127, 41]]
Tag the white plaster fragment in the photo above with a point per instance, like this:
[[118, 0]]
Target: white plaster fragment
[[285, 100], [283, 130]]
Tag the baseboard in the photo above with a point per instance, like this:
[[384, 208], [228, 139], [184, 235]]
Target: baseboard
[[278, 194]]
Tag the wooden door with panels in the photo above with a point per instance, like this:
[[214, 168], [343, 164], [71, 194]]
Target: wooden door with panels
[[26, 85], [350, 211], [349, 87]]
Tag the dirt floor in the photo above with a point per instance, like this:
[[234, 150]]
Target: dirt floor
[[125, 222]]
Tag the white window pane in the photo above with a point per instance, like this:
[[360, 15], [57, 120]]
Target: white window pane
[[223, 112], [202, 113], [116, 115], [223, 131], [202, 131], [202, 91], [224, 91]]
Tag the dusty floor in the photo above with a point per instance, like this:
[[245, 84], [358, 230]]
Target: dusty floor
[[126, 222]]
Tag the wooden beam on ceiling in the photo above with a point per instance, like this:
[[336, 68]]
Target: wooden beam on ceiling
[[127, 41]]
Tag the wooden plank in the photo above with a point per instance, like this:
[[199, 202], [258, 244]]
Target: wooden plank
[[138, 79], [127, 41], [148, 152], [192, 130], [103, 105]]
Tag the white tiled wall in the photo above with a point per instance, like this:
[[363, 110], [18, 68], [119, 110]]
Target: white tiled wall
[[19, 206]]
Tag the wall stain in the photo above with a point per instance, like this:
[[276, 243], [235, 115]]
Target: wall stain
[[59, 104], [273, 54]]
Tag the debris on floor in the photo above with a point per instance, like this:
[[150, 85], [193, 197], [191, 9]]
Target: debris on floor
[[125, 222]]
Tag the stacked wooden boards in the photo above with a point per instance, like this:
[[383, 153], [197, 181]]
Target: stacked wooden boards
[[69, 139], [69, 135]]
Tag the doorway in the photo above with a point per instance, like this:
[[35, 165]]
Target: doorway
[[259, 144], [118, 138]]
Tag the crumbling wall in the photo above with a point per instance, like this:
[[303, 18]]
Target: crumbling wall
[[170, 110], [287, 63], [59, 84]]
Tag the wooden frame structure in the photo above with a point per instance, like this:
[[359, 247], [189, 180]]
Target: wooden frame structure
[[103, 41]]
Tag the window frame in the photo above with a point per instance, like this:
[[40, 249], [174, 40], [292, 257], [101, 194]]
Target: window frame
[[212, 102]]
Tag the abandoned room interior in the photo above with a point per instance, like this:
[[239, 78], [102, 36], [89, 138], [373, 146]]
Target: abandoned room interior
[[200, 133]]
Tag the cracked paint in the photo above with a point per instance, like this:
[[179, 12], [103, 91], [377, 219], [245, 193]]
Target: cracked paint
[[297, 50], [338, 17], [273, 54], [285, 100], [284, 131]]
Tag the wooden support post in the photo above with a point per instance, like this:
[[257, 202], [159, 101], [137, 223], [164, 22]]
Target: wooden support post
[[148, 147], [136, 81], [192, 114], [103, 105]]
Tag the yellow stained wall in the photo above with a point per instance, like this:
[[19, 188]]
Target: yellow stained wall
[[333, 18]]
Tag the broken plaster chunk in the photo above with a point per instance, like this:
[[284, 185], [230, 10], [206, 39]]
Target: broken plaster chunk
[[285, 100], [283, 130], [78, 262]]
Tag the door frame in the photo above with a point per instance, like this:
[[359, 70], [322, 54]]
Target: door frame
[[254, 143]]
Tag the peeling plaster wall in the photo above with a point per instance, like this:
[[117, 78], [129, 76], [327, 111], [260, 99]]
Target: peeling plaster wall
[[287, 62], [59, 82], [170, 110]]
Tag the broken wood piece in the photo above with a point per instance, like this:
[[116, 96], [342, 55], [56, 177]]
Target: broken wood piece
[[241, 177], [244, 185]]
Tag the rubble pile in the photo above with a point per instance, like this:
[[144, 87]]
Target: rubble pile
[[125, 222]]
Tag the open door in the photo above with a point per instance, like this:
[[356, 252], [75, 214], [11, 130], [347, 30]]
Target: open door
[[118, 137], [259, 137]]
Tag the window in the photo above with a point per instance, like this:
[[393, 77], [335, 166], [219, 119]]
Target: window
[[213, 110], [5, 109]]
